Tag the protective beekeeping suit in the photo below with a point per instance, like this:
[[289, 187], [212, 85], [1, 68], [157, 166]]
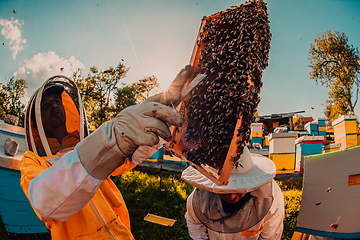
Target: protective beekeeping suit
[[65, 173], [250, 207]]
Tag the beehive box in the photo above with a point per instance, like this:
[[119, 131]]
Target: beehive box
[[305, 146], [330, 205], [282, 151], [256, 133], [256, 129], [345, 131], [321, 127], [332, 147], [312, 128], [232, 49]]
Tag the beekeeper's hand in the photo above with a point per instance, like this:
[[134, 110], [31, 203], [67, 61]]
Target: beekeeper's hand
[[170, 96], [139, 125], [174, 90]]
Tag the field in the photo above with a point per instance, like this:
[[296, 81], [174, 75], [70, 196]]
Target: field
[[144, 191]]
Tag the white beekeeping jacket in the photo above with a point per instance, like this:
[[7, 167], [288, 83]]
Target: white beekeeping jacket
[[270, 226]]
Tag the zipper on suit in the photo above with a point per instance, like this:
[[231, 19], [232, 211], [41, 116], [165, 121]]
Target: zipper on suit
[[101, 220]]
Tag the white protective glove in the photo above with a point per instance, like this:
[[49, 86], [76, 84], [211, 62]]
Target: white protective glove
[[140, 125], [170, 96], [173, 92]]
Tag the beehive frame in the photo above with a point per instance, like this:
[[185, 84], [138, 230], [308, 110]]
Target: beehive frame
[[220, 174]]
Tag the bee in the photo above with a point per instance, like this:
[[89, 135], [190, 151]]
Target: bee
[[334, 225]]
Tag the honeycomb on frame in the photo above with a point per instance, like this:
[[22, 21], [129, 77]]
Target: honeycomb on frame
[[232, 50]]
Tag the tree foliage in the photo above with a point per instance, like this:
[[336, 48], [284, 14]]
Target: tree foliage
[[96, 90], [10, 95], [104, 94], [298, 121], [336, 64], [135, 93]]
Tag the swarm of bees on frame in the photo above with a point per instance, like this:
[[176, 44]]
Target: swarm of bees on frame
[[235, 49]]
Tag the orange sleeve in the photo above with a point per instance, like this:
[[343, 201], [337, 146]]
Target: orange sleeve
[[127, 166], [31, 166]]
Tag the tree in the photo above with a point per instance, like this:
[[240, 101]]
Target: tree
[[97, 89], [298, 122], [135, 93], [103, 97], [336, 64], [125, 97], [10, 95], [145, 86]]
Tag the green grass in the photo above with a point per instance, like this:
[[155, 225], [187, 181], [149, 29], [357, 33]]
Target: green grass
[[145, 192], [292, 191]]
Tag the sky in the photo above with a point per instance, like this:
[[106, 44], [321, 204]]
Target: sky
[[157, 37]]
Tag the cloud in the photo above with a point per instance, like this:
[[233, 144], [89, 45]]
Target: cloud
[[10, 29], [44, 65]]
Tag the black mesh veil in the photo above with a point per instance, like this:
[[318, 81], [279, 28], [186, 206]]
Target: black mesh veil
[[209, 210]]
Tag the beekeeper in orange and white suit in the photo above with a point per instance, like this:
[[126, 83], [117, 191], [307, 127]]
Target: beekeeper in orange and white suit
[[250, 206], [65, 173]]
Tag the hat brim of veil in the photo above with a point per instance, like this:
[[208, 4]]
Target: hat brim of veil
[[262, 172], [53, 89]]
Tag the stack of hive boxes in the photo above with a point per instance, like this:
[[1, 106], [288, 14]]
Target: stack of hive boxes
[[345, 131], [282, 151], [321, 126], [256, 133]]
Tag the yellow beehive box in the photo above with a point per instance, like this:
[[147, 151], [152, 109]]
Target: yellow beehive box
[[282, 151], [256, 134], [347, 141], [332, 147], [322, 128], [345, 131], [266, 142], [284, 162]]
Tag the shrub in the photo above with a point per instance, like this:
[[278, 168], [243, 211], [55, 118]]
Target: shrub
[[292, 200], [291, 185]]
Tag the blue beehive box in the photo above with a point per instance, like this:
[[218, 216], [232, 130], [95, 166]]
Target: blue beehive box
[[312, 128], [320, 122], [321, 125], [308, 149], [16, 212], [158, 155], [256, 140], [305, 146]]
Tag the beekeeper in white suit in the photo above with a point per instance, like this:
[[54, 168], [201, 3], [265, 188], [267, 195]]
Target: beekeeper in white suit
[[251, 206]]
